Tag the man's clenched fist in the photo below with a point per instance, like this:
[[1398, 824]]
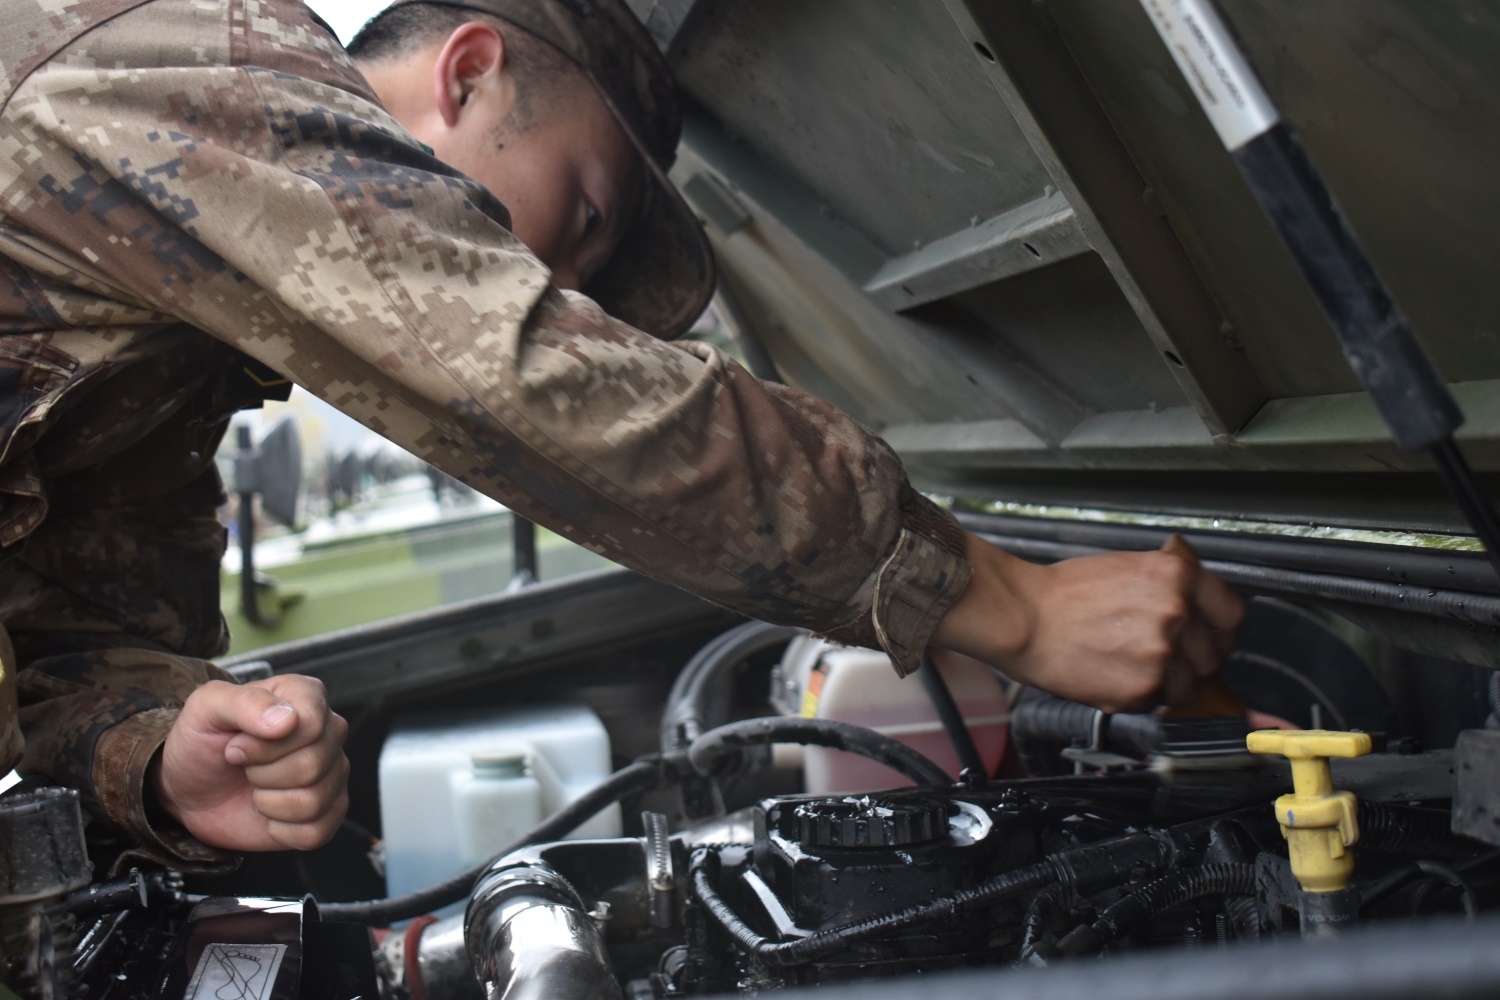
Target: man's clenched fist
[[258, 767], [1124, 632]]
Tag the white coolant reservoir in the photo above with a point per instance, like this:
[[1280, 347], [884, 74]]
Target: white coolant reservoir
[[817, 679], [496, 801], [458, 786]]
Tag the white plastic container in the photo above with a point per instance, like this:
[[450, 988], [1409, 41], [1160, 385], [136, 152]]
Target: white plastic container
[[497, 801], [817, 679], [458, 786]]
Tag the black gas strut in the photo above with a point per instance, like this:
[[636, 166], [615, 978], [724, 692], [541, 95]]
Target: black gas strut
[[1376, 338]]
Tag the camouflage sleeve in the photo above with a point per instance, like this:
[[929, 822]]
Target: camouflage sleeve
[[95, 720], [237, 174]]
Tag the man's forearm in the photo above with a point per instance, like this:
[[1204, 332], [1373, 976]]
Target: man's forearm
[[1122, 631]]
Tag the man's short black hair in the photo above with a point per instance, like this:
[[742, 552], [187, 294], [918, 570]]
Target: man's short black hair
[[406, 29]]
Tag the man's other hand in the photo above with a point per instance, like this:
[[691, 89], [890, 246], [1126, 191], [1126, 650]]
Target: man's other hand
[[258, 767], [1123, 632]]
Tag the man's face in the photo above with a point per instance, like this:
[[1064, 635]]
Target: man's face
[[570, 178], [555, 156]]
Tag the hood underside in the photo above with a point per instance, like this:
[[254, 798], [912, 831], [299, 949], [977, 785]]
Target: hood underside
[[1005, 235]]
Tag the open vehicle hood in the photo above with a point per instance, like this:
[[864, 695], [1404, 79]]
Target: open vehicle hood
[[1006, 236]]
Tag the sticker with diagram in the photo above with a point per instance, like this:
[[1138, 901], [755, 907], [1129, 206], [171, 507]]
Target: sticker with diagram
[[236, 972]]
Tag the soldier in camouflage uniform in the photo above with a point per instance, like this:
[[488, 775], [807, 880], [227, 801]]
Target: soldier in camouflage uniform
[[203, 198]]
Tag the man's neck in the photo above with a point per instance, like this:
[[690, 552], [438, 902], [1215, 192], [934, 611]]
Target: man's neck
[[401, 86]]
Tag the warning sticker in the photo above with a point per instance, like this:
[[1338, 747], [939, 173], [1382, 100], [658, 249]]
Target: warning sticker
[[814, 692], [1221, 79], [236, 972]]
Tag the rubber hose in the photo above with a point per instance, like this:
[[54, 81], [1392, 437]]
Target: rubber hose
[[685, 717], [1055, 722], [711, 752], [1051, 720], [950, 716], [1378, 890], [643, 775], [1041, 727], [1127, 915], [1396, 829], [1042, 907]]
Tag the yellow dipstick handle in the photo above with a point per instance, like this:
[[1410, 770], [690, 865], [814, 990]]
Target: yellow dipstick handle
[[1319, 823]]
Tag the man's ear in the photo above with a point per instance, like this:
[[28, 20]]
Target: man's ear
[[472, 60]]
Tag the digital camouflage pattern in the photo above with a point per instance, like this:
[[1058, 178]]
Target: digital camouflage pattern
[[189, 184]]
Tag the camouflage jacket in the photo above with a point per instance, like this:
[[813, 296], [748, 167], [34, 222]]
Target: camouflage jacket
[[191, 187]]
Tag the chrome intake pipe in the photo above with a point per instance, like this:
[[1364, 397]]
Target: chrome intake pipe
[[530, 937], [429, 960]]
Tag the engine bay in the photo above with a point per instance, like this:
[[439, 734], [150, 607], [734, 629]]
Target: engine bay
[[1007, 236], [739, 868]]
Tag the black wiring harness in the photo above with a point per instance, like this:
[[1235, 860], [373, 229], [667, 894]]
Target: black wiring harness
[[1083, 870]]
